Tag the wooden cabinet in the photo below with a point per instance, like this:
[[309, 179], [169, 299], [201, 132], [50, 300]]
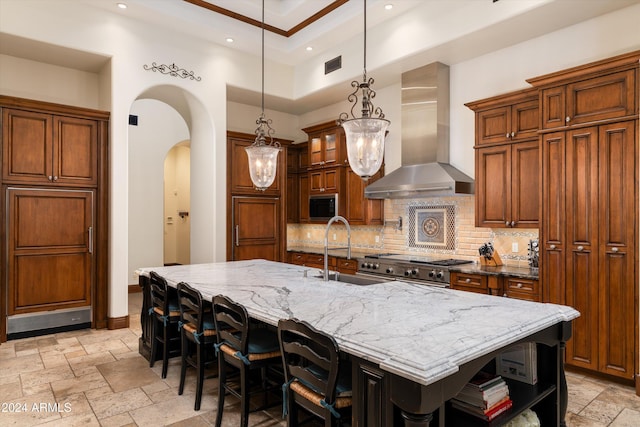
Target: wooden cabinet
[[507, 160], [469, 282], [590, 212], [326, 145], [342, 265], [507, 185], [303, 189], [360, 210], [297, 183], [55, 198], [516, 118], [611, 96], [49, 149], [256, 220], [326, 181], [521, 288]]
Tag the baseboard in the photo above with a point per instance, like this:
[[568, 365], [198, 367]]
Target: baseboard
[[638, 385], [118, 322], [134, 289]]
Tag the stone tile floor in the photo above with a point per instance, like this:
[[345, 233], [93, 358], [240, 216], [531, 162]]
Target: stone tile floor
[[97, 378]]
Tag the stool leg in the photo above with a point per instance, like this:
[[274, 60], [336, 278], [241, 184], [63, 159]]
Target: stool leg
[[154, 341], [222, 380], [183, 365], [165, 351], [244, 397], [200, 379]]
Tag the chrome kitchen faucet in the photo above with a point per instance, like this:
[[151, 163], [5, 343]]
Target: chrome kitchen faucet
[[326, 244]]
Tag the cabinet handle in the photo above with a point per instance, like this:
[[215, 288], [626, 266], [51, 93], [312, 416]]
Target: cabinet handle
[[507, 135], [90, 240], [506, 223], [505, 295], [50, 178], [614, 249], [513, 223], [55, 178], [580, 248], [513, 134], [467, 280], [237, 236], [552, 247], [567, 119], [519, 285]]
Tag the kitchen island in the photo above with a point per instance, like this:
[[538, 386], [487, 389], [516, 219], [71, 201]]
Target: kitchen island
[[413, 347]]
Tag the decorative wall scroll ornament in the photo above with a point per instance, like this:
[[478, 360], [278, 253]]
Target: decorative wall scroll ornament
[[173, 70]]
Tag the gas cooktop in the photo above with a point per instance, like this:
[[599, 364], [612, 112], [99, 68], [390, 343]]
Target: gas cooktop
[[418, 259]]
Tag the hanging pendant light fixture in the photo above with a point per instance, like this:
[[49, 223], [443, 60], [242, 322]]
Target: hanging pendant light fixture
[[365, 135], [263, 155]]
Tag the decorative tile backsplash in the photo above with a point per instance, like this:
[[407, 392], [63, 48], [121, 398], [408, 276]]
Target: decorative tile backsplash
[[388, 238]]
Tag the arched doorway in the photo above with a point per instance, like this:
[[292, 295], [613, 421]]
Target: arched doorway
[[177, 203]]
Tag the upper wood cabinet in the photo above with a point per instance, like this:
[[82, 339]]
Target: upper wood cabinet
[[49, 149], [297, 183], [326, 181], [507, 160], [326, 145], [238, 171], [506, 118], [360, 210], [592, 93]]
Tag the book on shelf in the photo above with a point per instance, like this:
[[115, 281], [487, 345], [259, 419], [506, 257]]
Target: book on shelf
[[486, 414], [484, 399], [483, 380]]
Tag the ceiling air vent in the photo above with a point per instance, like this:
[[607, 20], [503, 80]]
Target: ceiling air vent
[[333, 64]]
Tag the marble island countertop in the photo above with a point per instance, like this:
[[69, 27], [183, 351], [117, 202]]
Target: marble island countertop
[[421, 333]]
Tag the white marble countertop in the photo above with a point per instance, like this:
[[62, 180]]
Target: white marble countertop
[[419, 332]]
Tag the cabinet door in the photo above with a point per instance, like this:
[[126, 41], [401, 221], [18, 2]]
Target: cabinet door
[[493, 186], [331, 144], [616, 224], [526, 289], [525, 120], [493, 126], [75, 148], [316, 150], [331, 180], [303, 188], [239, 175], [553, 249], [50, 252], [582, 239], [27, 146], [256, 228], [601, 98], [316, 181], [293, 201], [525, 184], [553, 107], [469, 282], [360, 210]]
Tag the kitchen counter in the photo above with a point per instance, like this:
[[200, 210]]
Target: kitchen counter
[[319, 250], [503, 270], [421, 335]]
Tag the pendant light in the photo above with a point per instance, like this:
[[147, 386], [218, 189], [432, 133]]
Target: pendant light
[[263, 155], [365, 135]]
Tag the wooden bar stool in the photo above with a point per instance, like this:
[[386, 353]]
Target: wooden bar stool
[[247, 348], [314, 377], [198, 334], [165, 315]]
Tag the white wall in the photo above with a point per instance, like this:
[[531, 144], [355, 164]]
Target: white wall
[[159, 128]]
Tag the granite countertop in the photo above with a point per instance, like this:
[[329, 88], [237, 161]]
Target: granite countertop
[[422, 333], [503, 270]]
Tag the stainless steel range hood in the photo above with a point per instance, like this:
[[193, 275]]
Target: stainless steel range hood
[[425, 170]]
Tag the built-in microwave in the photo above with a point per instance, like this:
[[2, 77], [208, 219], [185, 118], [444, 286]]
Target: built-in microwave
[[324, 207]]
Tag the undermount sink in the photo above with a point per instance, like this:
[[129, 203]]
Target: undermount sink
[[353, 279]]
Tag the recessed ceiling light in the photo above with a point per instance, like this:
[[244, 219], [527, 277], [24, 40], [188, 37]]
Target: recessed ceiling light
[[388, 6], [309, 48], [122, 5], [229, 40]]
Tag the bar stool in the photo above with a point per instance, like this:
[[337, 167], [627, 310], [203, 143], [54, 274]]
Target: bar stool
[[165, 315], [245, 347], [197, 335], [314, 377]]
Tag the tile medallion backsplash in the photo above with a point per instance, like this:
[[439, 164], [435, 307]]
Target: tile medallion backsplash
[[422, 234]]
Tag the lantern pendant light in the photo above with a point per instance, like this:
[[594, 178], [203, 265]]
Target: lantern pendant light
[[263, 155], [365, 135]]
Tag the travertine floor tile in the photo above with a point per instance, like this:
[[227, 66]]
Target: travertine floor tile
[[181, 409], [20, 365], [64, 388], [73, 421], [10, 388], [109, 405], [128, 373], [30, 410], [627, 418], [120, 420]]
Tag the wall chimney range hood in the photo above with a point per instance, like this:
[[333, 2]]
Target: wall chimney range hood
[[425, 170]]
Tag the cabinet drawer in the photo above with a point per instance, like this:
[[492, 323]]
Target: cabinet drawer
[[348, 266], [528, 289], [469, 282]]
